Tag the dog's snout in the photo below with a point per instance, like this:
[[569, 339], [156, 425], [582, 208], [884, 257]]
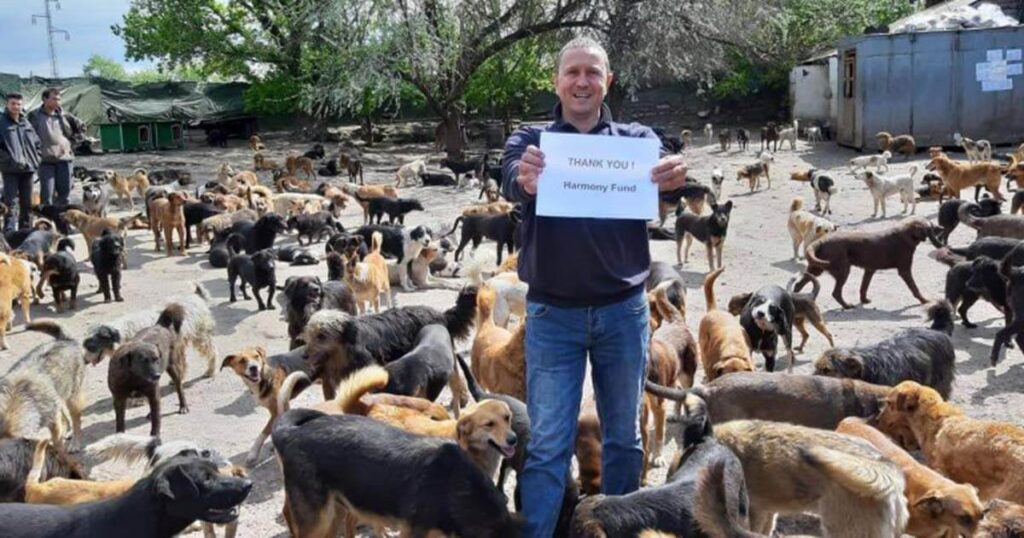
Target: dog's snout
[[759, 314], [511, 439], [252, 368]]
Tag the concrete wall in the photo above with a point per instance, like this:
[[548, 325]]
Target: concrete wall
[[810, 92]]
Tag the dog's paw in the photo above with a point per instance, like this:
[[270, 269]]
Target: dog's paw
[[658, 461], [183, 410], [865, 300]]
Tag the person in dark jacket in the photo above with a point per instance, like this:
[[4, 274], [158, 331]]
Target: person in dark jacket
[[19, 160], [586, 298], [56, 130]]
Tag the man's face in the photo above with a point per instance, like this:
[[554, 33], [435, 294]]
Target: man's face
[[14, 107], [53, 101], [582, 82]]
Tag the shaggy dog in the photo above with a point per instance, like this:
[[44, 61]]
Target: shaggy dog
[[917, 354]]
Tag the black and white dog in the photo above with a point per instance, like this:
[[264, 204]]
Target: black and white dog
[[824, 186], [400, 243], [767, 316]]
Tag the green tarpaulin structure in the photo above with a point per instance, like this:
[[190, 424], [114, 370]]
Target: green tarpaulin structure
[[96, 100]]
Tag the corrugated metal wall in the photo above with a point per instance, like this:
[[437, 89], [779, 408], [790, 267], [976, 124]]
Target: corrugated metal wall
[[928, 85]]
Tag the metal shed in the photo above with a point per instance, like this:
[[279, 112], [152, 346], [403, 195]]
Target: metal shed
[[931, 85]]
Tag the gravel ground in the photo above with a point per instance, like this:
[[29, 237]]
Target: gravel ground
[[225, 416]]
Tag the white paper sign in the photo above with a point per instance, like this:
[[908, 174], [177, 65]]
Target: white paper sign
[[997, 85], [593, 176], [1013, 55], [994, 55]]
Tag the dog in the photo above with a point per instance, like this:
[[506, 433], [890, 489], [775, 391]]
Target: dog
[[43, 389], [970, 280], [163, 503], [260, 163], [339, 343], [166, 216], [170, 175], [769, 135], [743, 138], [94, 200], [947, 436], [408, 173], [499, 228], [36, 243], [256, 144], [365, 193], [54, 213], [107, 260], [222, 223], [396, 209], [879, 160], [724, 348], [709, 132], [903, 144], [881, 187], [428, 179], [813, 135], [92, 227], [123, 186], [693, 193], [937, 505], [498, 355], [805, 228], [313, 227], [510, 294], [306, 442], [789, 468], [353, 166], [725, 139], [257, 270], [959, 176], [459, 168], [805, 309], [922, 355], [402, 244], [949, 210], [60, 271], [710, 230], [15, 284], [258, 235], [490, 208], [717, 178], [195, 214], [892, 248], [767, 316], [789, 134], [752, 173], [302, 296], [264, 377], [977, 151], [17, 462], [368, 279], [1013, 274], [996, 225], [1001, 520], [425, 370]]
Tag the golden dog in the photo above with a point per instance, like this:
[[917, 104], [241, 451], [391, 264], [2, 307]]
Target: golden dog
[[498, 355], [15, 283], [294, 163], [723, 342], [959, 176], [123, 186], [166, 215], [368, 279], [256, 144], [93, 227], [261, 163]]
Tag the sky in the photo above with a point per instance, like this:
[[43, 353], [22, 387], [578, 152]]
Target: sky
[[23, 48]]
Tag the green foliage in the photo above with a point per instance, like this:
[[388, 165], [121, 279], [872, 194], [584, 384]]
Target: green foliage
[[273, 95], [507, 81], [103, 67], [100, 66]]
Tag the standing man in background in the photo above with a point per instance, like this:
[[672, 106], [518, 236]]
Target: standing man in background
[[19, 160], [586, 298], [56, 130]]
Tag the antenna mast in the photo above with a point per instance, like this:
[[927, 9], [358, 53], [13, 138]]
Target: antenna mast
[[50, 30]]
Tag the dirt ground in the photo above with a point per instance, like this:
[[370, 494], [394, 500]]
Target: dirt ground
[[225, 416]]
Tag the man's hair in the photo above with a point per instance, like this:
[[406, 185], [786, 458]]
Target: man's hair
[[13, 95], [582, 43], [48, 92]]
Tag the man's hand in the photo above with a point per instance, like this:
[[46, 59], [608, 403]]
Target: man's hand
[[531, 165], [669, 173]]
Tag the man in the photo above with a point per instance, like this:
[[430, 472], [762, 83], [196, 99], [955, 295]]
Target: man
[[56, 129], [586, 297], [19, 159]]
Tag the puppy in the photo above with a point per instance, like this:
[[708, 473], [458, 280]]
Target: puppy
[[368, 279], [880, 161], [767, 316], [136, 366], [123, 186], [499, 228], [107, 260], [983, 453], [710, 230], [498, 355], [724, 348], [938, 506], [892, 248], [60, 270], [94, 200], [15, 284], [257, 270], [396, 209], [166, 216], [302, 296], [855, 491], [805, 228]]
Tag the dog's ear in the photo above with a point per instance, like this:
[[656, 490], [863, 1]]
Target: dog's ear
[[907, 401], [163, 486], [933, 503], [115, 335], [227, 361], [262, 352]]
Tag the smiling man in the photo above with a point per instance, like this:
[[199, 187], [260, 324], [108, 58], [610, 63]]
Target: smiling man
[[586, 299]]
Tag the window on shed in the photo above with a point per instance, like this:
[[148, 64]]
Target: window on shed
[[143, 134], [849, 72]]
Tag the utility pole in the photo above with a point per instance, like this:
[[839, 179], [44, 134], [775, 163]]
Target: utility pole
[[50, 30]]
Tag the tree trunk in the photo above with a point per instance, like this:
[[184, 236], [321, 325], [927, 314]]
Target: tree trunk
[[617, 102], [368, 130], [452, 134]]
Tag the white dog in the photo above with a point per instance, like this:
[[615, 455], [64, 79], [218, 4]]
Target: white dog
[[879, 161], [409, 173], [789, 134], [709, 132], [813, 135], [717, 178], [976, 150], [805, 227], [882, 187]]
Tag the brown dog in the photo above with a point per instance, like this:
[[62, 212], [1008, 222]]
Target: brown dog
[[938, 506], [167, 215], [256, 144], [984, 453], [261, 163], [93, 227], [15, 283], [873, 251], [1002, 520], [723, 342], [368, 279], [1015, 171], [123, 186], [588, 448], [902, 144], [294, 163], [498, 355], [959, 176]]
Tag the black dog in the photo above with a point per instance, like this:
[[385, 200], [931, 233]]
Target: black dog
[[61, 271], [107, 257], [396, 209], [256, 270], [296, 255], [53, 213], [195, 214], [170, 175], [743, 138], [347, 244], [217, 138], [426, 368], [220, 251], [922, 355], [335, 266], [499, 228], [464, 167], [767, 316], [769, 134], [261, 234], [313, 227], [949, 218], [422, 482], [970, 280], [993, 247], [437, 180], [316, 153], [708, 229], [162, 504], [306, 295], [329, 169], [16, 462], [89, 175]]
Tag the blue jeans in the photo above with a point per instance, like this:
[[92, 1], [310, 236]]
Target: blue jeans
[[18, 199], [57, 175], [558, 341]]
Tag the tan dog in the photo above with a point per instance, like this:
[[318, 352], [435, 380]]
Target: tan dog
[[294, 163], [262, 164], [256, 144], [368, 279], [805, 227], [588, 448], [166, 215], [364, 193], [290, 183], [1002, 520], [1015, 172], [409, 173], [15, 283], [793, 469], [984, 453], [492, 208], [723, 342], [938, 506], [498, 355], [93, 227], [903, 144], [123, 186], [959, 176], [67, 491]]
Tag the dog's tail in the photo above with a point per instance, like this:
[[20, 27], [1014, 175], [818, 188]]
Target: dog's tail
[[811, 254], [665, 307], [123, 446], [455, 226], [940, 314], [674, 394], [913, 171], [65, 243], [796, 205], [172, 317], [711, 507], [35, 474], [369, 379], [864, 477], [474, 388], [284, 394], [375, 241], [816, 285], [474, 272], [966, 216], [709, 288], [459, 318], [947, 256], [52, 328], [485, 299], [201, 291], [141, 171]]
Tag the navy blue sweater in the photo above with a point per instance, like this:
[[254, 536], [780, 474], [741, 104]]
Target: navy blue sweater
[[570, 262]]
